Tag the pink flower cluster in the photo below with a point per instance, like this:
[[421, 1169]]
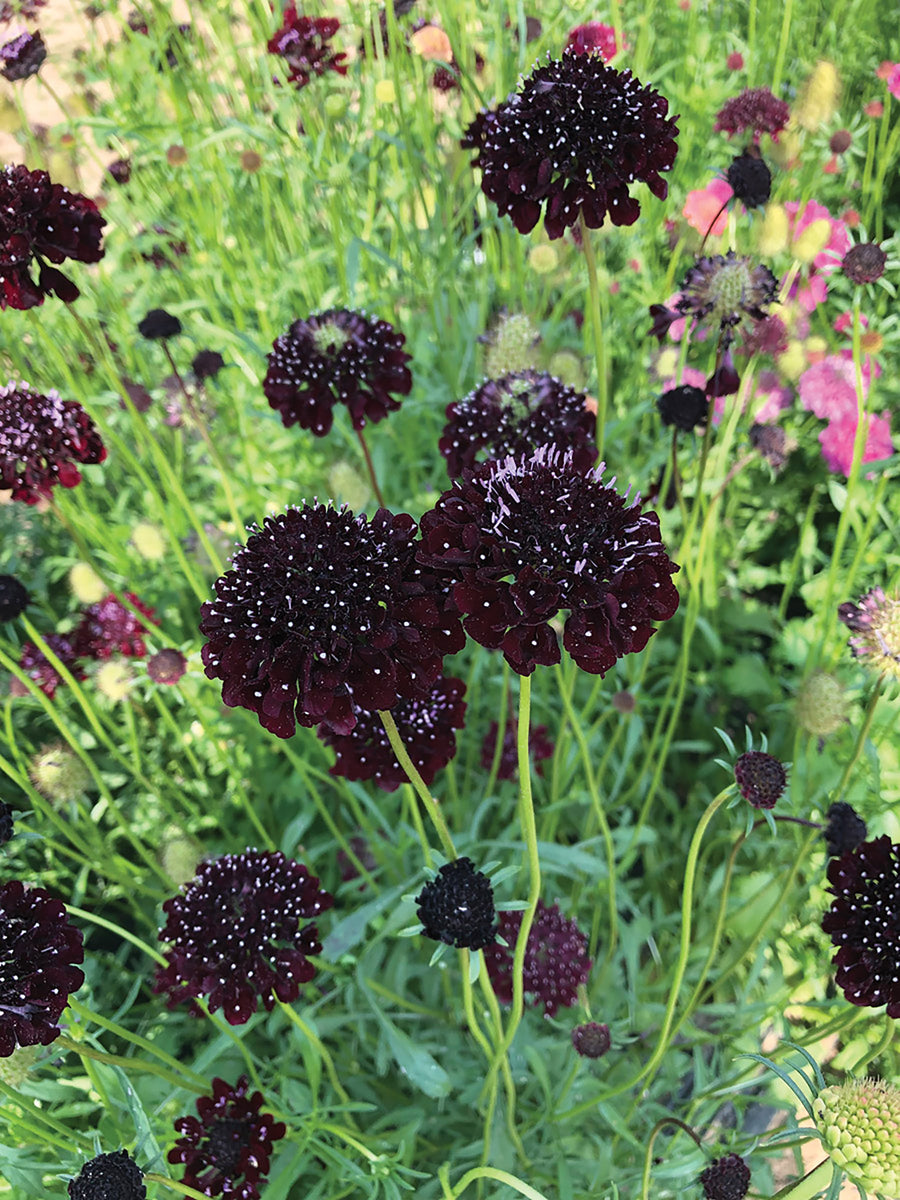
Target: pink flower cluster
[[814, 289], [890, 73], [828, 389]]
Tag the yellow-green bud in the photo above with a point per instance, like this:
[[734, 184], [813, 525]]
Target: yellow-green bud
[[148, 541], [179, 855], [512, 346], [335, 105], [569, 367], [860, 1126], [114, 679], [58, 773], [347, 484], [821, 706], [14, 1069], [87, 586]]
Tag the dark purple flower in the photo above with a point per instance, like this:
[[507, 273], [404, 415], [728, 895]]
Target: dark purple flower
[[23, 56], [726, 1178], [38, 950], [591, 1040], [572, 141], [167, 666], [876, 622], [539, 748], [113, 1176], [862, 922], [206, 364], [35, 664], [42, 438], [724, 290], [514, 415], [304, 44], [771, 442], [120, 170], [845, 829], [457, 906], [427, 728], [42, 222], [769, 336], [724, 380], [864, 263], [521, 539], [756, 110], [761, 778], [159, 324], [226, 1151], [685, 407], [556, 958], [13, 598], [7, 823], [750, 179], [108, 628], [593, 37], [235, 934], [337, 357], [322, 612], [25, 9]]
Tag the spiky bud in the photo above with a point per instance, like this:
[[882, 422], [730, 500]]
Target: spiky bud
[[58, 773]]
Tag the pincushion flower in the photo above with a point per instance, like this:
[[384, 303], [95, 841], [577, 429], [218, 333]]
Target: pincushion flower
[[845, 830], [514, 415], [427, 728], [521, 539], [876, 622], [226, 1148], [323, 611], [591, 1040], [820, 240], [337, 357], [859, 1123], [235, 934], [593, 37], [113, 1176], [43, 438], [862, 923], [457, 907], [839, 436], [571, 142], [40, 223], [556, 958], [108, 628], [303, 42], [761, 778], [22, 57], [39, 669], [38, 953], [756, 111], [726, 1178]]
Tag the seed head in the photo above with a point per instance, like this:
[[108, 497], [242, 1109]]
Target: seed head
[[860, 1126]]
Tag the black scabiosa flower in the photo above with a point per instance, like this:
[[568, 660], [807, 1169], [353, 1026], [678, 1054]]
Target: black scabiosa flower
[[42, 438], [427, 728], [572, 141], [226, 1148], [7, 823], [864, 263], [108, 628], [23, 56], [539, 748], [514, 415], [862, 923], [591, 1040], [755, 110], [457, 906], [303, 42], [761, 778], [166, 666], [323, 611], [556, 958], [337, 357], [726, 1178], [235, 933], [207, 364], [42, 222], [520, 539], [38, 952], [13, 598], [685, 407], [159, 324], [750, 179], [723, 291], [39, 669], [876, 622], [113, 1176], [845, 829]]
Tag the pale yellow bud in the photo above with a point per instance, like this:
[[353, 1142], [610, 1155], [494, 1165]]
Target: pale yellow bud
[[773, 231], [114, 680], [385, 92], [818, 97], [812, 240], [148, 541], [543, 259], [87, 586]]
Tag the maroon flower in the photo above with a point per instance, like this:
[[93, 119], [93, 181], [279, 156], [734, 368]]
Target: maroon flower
[[303, 43], [761, 778], [39, 221], [539, 748], [845, 829], [207, 364], [556, 959], [750, 179], [756, 110], [226, 1152], [109, 628], [339, 356], [427, 728], [323, 611], [514, 415], [864, 263], [457, 906], [113, 1176], [41, 440], [593, 37], [572, 141], [167, 666], [38, 950], [591, 1040], [22, 57], [520, 539], [7, 823], [862, 922], [120, 170], [13, 598], [35, 664], [235, 934], [726, 1178]]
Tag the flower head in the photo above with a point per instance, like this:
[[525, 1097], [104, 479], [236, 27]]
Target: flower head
[[58, 773], [593, 37], [750, 179], [864, 263], [226, 1148], [113, 1176], [40, 670], [457, 906], [42, 222], [510, 344], [427, 728], [108, 628], [166, 666], [23, 56], [337, 357], [845, 829], [323, 611], [860, 1127], [572, 141], [539, 748], [726, 1178], [38, 952], [13, 598], [772, 443], [704, 208], [591, 1040], [303, 42], [235, 933], [513, 416], [821, 705], [158, 325], [862, 922], [726, 289], [556, 958], [522, 538], [685, 407], [761, 778], [206, 364], [26, 9], [42, 439], [755, 110], [838, 439]]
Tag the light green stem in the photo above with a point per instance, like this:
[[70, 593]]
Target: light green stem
[[431, 805]]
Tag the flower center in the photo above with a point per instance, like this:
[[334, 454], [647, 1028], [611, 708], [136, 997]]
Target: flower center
[[330, 339], [228, 1139]]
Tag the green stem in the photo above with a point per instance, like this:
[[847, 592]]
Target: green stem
[[431, 805], [115, 1060], [517, 1185], [86, 1014], [810, 1185], [648, 1156], [320, 1048], [854, 758], [597, 328], [174, 1186]]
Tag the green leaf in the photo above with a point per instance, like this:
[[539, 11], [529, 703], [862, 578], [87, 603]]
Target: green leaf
[[350, 932]]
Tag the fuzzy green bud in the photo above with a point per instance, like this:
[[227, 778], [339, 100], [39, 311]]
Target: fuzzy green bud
[[512, 346], [347, 484], [58, 773], [179, 855], [14, 1070], [860, 1126], [821, 706]]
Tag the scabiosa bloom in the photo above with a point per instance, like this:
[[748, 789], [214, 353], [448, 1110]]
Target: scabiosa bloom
[[726, 1178], [876, 622], [235, 934], [338, 356], [685, 407], [750, 179], [556, 959], [42, 222], [514, 415], [321, 611], [864, 263], [772, 443], [457, 906], [42, 438], [23, 56], [591, 1040], [109, 628], [761, 778], [159, 324], [756, 110], [726, 289], [572, 141], [539, 748], [521, 539], [593, 37], [427, 728], [303, 42], [13, 598], [26, 9], [862, 922], [38, 952], [860, 1127], [167, 666], [226, 1151], [206, 364], [113, 1176], [845, 829], [35, 664]]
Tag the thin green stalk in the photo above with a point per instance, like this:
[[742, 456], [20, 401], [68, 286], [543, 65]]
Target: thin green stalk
[[116, 1060], [431, 805], [43, 1117], [648, 1156], [597, 329], [812, 1183], [197, 1084], [320, 1047], [517, 1185], [174, 1185], [859, 745], [127, 936], [876, 1051]]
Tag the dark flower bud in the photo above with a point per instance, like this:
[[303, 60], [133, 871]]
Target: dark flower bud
[[13, 598], [206, 364], [109, 1177], [686, 407], [845, 829], [457, 907], [724, 380], [120, 170], [22, 57], [840, 141], [750, 179], [159, 324], [760, 778], [591, 1040], [6, 823], [167, 666], [726, 1178], [864, 263], [771, 442]]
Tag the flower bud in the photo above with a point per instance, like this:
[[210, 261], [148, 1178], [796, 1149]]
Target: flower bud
[[860, 1126]]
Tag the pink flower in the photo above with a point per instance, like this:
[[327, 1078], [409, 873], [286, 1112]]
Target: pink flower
[[689, 375], [771, 397], [828, 389], [893, 81], [702, 205], [734, 61], [829, 258], [844, 323], [885, 69], [837, 440], [593, 38]]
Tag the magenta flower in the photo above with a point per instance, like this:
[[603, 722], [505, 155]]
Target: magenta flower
[[556, 958], [35, 664], [593, 37], [756, 111], [43, 439], [303, 42], [838, 437], [108, 628], [705, 204]]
